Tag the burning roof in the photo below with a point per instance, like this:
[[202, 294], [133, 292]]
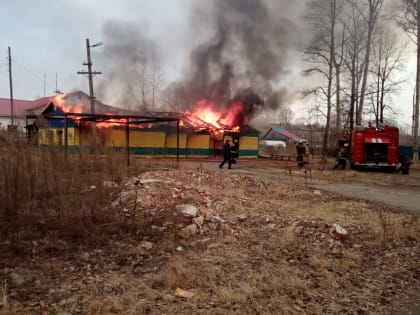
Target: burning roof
[[205, 116], [79, 102]]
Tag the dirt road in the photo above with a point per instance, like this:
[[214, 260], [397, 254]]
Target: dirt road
[[406, 198], [395, 191]]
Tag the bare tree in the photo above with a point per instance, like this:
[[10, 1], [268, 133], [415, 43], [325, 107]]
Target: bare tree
[[146, 88], [285, 116], [374, 7], [173, 98], [156, 79], [321, 53], [388, 59], [141, 73], [338, 59], [355, 34]]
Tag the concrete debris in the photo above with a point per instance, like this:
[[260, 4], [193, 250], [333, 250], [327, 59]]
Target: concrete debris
[[215, 218], [199, 220], [338, 232], [188, 231], [187, 210], [146, 245], [242, 217]]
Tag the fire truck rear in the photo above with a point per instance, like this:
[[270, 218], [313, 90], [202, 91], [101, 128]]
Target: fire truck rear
[[375, 147]]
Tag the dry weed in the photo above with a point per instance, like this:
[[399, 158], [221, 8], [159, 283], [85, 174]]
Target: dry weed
[[4, 303], [106, 306], [262, 248]]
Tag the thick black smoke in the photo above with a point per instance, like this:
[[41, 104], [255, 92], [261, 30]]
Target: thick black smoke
[[245, 56], [239, 51]]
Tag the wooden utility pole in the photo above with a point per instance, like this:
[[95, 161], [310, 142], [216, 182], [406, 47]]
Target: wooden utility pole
[[416, 109], [90, 74], [12, 118]]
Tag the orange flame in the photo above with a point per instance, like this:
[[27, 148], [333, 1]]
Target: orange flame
[[207, 112], [60, 101], [235, 109], [110, 123]]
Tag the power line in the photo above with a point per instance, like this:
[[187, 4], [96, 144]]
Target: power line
[[27, 70], [38, 78]]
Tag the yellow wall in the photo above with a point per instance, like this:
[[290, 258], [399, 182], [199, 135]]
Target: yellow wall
[[85, 136], [171, 140], [149, 139], [227, 137], [198, 145], [55, 136], [115, 138], [146, 141], [198, 141], [248, 143], [137, 138], [171, 144]]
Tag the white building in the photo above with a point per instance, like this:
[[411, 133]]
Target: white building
[[19, 113]]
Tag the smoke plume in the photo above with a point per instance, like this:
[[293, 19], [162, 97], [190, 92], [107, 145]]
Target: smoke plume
[[130, 62], [244, 57], [240, 52]]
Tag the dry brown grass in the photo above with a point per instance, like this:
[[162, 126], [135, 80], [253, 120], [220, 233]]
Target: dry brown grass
[[4, 303], [271, 255], [46, 191]]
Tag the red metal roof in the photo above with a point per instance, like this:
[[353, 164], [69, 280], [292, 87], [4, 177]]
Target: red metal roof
[[19, 107]]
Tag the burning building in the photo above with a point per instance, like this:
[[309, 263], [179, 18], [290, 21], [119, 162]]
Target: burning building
[[66, 122]]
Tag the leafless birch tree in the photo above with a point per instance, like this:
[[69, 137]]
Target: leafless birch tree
[[321, 53], [355, 33], [374, 7], [387, 60]]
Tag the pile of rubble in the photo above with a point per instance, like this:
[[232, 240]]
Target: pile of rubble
[[174, 202], [212, 242]]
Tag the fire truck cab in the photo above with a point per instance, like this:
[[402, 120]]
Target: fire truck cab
[[375, 148]]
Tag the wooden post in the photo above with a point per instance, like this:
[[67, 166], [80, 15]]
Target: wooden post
[[66, 140], [127, 140], [177, 140]]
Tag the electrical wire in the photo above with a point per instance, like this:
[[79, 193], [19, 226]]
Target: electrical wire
[[20, 65]]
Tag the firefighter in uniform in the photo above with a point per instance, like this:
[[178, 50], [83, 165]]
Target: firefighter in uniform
[[342, 157], [300, 154], [227, 155], [234, 149]]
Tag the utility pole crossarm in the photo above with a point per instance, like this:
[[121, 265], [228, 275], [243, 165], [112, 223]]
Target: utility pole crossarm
[[87, 72]]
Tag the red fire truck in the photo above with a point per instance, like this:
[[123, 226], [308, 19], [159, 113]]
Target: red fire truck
[[374, 148]]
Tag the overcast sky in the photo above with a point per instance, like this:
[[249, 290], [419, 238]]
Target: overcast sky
[[48, 38]]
